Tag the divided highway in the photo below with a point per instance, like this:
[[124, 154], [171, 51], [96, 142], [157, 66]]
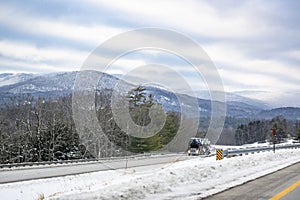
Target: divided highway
[[30, 173], [283, 184]]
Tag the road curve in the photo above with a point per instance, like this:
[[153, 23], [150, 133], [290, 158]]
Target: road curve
[[23, 174], [267, 187]]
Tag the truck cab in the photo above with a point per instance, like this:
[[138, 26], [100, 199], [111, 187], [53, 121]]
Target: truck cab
[[198, 146]]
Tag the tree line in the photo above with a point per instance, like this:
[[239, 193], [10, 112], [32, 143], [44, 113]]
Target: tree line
[[40, 129], [36, 129], [139, 106], [261, 131]]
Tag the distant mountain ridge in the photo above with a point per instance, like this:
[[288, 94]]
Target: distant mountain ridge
[[59, 84], [286, 112], [232, 97], [10, 78]]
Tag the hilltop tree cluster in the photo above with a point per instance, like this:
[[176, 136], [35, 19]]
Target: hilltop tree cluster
[[260, 131], [139, 106]]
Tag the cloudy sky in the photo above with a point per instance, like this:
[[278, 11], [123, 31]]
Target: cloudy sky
[[254, 44]]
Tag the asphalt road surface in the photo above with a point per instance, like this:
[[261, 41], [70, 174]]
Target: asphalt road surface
[[22, 174], [283, 184]]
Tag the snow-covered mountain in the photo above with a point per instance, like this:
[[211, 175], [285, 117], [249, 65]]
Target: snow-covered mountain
[[274, 98], [54, 83], [9, 78], [60, 84], [234, 98]]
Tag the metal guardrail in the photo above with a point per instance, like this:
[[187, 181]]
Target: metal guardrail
[[233, 152], [229, 152], [80, 161], [24, 164]]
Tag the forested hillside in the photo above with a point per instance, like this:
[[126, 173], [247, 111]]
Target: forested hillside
[[261, 130], [35, 130]]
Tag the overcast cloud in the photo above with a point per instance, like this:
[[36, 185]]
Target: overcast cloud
[[254, 44]]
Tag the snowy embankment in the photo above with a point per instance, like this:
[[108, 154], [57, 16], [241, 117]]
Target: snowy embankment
[[190, 179]]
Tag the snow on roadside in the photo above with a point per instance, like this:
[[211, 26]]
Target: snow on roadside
[[254, 145], [190, 179]]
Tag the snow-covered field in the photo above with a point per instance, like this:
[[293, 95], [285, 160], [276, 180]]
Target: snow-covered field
[[190, 179]]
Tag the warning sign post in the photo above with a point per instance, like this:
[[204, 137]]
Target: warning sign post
[[219, 154]]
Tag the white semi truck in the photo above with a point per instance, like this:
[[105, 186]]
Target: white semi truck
[[198, 146]]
